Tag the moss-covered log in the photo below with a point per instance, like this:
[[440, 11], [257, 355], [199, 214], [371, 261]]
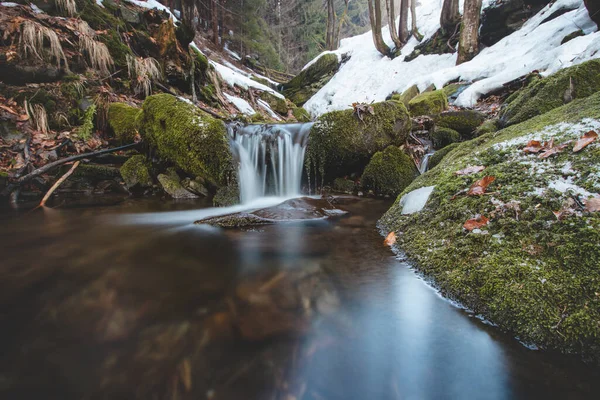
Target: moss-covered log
[[123, 121], [313, 78]]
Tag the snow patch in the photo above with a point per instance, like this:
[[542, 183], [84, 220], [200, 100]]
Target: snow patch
[[560, 131], [234, 78], [99, 2], [563, 185], [150, 4], [415, 201], [240, 104], [36, 9], [368, 76], [9, 4], [267, 107]]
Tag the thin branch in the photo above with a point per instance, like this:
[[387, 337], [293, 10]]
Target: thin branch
[[58, 183]]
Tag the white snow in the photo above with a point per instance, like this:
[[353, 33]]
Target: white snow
[[240, 104], [267, 107], [231, 52], [415, 201], [36, 9], [150, 4], [566, 185], [9, 4], [185, 100], [99, 2], [368, 76], [234, 78]]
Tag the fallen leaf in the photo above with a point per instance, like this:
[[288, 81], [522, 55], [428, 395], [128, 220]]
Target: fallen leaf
[[390, 239], [552, 150], [568, 209], [592, 205], [476, 223], [7, 109], [533, 146], [586, 139], [478, 188], [470, 170]]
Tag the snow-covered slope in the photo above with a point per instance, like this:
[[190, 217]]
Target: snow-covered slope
[[369, 76]]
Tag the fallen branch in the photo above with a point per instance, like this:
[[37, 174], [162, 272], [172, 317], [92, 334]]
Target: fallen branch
[[58, 183], [49, 166]]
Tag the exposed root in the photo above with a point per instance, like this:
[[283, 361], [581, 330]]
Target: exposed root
[[143, 71], [31, 42]]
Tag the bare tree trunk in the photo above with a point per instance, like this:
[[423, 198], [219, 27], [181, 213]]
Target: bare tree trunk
[[375, 17], [215, 22], [403, 24], [593, 8], [330, 41], [413, 21], [449, 16], [390, 7], [468, 47], [342, 19]]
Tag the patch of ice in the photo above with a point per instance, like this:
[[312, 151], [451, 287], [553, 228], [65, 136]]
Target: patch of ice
[[267, 107], [561, 130], [177, 13], [36, 9], [415, 201], [185, 100], [99, 2], [368, 76], [566, 185], [240, 104], [150, 4], [9, 4]]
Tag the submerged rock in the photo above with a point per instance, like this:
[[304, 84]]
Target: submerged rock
[[543, 95], [341, 144], [428, 103], [308, 82], [389, 172]]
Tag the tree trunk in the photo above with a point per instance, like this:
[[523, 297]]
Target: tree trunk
[[375, 17], [403, 24], [330, 41], [413, 21], [468, 46], [215, 21], [389, 4], [449, 16], [342, 19], [593, 7]]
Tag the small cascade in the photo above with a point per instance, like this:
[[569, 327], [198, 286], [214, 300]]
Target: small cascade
[[270, 158], [425, 163]]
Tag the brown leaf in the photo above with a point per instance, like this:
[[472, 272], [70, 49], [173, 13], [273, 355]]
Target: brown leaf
[[592, 205], [478, 188], [552, 150], [470, 170], [390, 239], [533, 146], [7, 109], [586, 139], [476, 223]]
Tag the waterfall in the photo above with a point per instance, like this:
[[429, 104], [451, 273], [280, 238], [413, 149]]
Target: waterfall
[[270, 158]]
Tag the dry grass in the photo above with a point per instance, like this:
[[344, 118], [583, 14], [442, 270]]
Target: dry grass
[[67, 7], [31, 42], [98, 56], [38, 116], [143, 71]]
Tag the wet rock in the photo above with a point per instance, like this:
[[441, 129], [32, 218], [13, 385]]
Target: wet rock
[[344, 185], [428, 103], [227, 196], [442, 137], [172, 186], [389, 172], [196, 186], [505, 17]]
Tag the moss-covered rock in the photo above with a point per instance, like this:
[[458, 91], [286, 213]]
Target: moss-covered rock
[[546, 94], [407, 95], [428, 103], [341, 144], [439, 155], [301, 114], [308, 82], [136, 172], [344, 185], [188, 137], [389, 172], [530, 273], [451, 89], [572, 36], [171, 184], [489, 126], [123, 121], [464, 121], [442, 137], [227, 196], [277, 104]]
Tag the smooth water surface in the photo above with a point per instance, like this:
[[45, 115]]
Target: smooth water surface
[[136, 302]]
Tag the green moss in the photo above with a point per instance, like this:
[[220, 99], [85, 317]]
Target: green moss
[[201, 62], [98, 18], [188, 137], [96, 171], [344, 185], [451, 89], [572, 36], [261, 80], [86, 129], [227, 196], [442, 137], [428, 103], [171, 184], [489, 126], [136, 172], [340, 144], [277, 104], [543, 95], [308, 82], [117, 49], [464, 121], [301, 114], [122, 120], [439, 155], [408, 95], [531, 274], [389, 172]]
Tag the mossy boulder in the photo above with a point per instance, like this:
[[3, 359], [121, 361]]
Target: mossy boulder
[[442, 137], [308, 82], [428, 103], [171, 184], [227, 196], [407, 95], [389, 172], [123, 121], [301, 114], [136, 172], [464, 121], [489, 126], [341, 144], [277, 104], [529, 272], [543, 95], [188, 137], [439, 155], [344, 185]]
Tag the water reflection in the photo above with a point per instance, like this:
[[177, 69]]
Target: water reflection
[[110, 303]]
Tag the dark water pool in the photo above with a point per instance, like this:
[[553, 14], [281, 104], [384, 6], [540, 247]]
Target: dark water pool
[[135, 302]]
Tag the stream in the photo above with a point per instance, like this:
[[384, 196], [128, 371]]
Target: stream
[[135, 301]]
